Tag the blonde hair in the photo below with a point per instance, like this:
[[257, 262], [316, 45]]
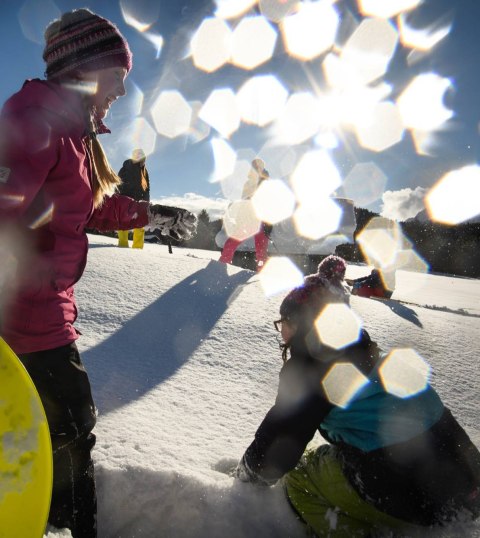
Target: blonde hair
[[104, 179]]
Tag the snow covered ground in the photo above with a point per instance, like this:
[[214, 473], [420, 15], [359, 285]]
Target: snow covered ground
[[184, 361]]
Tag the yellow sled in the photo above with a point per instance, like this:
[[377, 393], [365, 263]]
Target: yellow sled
[[25, 452]]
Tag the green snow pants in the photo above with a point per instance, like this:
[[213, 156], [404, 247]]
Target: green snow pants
[[323, 497]]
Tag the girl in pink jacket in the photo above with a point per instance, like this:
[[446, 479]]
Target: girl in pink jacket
[[55, 181]]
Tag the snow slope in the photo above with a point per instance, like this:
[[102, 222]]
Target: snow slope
[[184, 362]]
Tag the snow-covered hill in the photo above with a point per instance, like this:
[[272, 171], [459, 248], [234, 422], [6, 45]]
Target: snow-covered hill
[[184, 362]]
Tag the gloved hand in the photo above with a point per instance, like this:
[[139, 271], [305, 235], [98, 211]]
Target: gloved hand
[[174, 222], [244, 473]]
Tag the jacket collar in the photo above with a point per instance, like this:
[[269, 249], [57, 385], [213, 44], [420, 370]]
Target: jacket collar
[[59, 99]]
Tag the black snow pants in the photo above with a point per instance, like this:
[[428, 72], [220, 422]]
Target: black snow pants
[[63, 385]]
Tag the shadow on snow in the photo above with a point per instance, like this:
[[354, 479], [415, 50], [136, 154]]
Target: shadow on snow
[[162, 337]]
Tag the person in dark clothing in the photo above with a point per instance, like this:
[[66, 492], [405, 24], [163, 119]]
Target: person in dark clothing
[[370, 285], [396, 457], [136, 185]]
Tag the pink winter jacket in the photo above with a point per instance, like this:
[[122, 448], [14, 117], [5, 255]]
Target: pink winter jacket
[[46, 203]]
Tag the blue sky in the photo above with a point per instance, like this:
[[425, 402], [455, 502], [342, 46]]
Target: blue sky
[[181, 165]]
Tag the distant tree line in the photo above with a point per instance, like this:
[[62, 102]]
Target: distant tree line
[[446, 249]]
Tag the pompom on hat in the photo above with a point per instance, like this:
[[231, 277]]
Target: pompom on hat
[[306, 302], [332, 268], [83, 41]]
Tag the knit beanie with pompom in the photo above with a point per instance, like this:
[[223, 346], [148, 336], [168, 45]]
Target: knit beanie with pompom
[[332, 268], [306, 302]]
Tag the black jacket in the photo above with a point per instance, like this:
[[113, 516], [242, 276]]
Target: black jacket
[[131, 176], [407, 456]]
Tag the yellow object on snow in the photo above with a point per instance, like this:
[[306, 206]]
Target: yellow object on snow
[[123, 238], [25, 452], [138, 238]]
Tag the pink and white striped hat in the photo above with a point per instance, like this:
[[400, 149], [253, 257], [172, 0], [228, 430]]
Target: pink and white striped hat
[[82, 40]]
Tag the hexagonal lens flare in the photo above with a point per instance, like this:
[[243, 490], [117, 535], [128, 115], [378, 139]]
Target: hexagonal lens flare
[[338, 326], [423, 39], [456, 197], [139, 15], [221, 111], [34, 16], [156, 40], [404, 373], [283, 205], [342, 382], [311, 31], [384, 130], [369, 50], [231, 9], [253, 42], [211, 45], [133, 101], [240, 220], [315, 176], [279, 274], [276, 10], [380, 240], [381, 8], [365, 183], [233, 185], [261, 99], [409, 260], [281, 159], [318, 218], [327, 140], [224, 157], [140, 134], [421, 103], [171, 114], [299, 120], [199, 130]]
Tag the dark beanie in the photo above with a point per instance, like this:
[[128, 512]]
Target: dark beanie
[[306, 302], [83, 41]]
